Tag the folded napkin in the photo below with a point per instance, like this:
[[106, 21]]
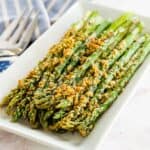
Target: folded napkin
[[49, 12]]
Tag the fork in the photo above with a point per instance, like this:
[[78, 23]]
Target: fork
[[15, 39], [52, 4]]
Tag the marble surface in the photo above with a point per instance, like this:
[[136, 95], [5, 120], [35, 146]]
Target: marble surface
[[132, 130]]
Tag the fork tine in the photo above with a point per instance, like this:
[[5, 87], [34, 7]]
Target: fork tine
[[51, 5], [27, 35], [9, 30], [61, 11], [15, 37]]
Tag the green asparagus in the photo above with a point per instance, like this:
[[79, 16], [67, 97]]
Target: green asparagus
[[77, 73], [29, 83], [81, 76], [86, 126], [72, 115]]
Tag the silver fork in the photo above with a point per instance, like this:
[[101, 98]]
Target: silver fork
[[17, 35]]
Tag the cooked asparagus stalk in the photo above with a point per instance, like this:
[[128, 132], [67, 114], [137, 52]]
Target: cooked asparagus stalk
[[87, 125]]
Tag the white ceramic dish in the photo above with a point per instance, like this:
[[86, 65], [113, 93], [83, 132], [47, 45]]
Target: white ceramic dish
[[37, 51]]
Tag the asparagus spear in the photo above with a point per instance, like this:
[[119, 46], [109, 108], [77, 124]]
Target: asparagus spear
[[87, 125], [17, 113], [102, 82], [26, 110]]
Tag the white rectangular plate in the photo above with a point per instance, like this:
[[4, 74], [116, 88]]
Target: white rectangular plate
[[36, 52]]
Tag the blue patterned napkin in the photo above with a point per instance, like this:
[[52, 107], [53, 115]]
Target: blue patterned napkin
[[49, 12]]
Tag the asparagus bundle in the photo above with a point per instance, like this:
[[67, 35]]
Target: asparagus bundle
[[111, 94], [43, 85], [81, 76], [69, 121], [64, 104], [93, 86], [79, 72], [56, 115], [73, 38], [51, 82]]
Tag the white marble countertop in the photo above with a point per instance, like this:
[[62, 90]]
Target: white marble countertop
[[132, 130]]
